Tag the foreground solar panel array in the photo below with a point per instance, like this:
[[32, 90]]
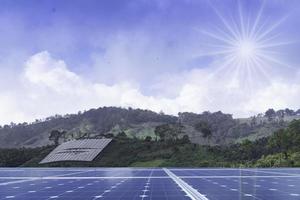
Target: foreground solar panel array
[[140, 183]]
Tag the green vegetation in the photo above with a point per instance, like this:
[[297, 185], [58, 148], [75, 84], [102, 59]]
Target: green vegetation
[[55, 135], [19, 157], [215, 128], [204, 128], [282, 149]]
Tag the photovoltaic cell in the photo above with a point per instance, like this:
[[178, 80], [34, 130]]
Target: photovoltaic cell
[[77, 150], [149, 183]]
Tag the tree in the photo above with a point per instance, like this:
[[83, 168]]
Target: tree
[[280, 113], [186, 139], [12, 124], [289, 112], [294, 134], [247, 149], [109, 135], [177, 130], [204, 128], [160, 131], [270, 114], [148, 139], [253, 121], [280, 142], [55, 135], [294, 127], [168, 131], [122, 135]]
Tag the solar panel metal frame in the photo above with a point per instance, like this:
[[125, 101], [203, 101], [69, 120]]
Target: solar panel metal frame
[[77, 150]]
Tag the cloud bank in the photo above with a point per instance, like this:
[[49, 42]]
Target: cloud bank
[[48, 87]]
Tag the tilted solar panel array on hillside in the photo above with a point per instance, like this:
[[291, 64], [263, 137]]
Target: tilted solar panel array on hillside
[[77, 150], [146, 183]]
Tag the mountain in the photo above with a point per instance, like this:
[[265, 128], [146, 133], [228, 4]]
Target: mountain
[[206, 128], [281, 149]]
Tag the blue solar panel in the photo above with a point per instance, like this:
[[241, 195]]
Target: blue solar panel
[[143, 183]]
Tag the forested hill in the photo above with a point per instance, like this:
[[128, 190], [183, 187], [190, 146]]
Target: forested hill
[[282, 149], [206, 128], [87, 124]]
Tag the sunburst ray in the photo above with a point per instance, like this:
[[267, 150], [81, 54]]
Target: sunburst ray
[[248, 48]]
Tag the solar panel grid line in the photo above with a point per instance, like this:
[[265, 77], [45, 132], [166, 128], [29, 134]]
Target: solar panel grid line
[[73, 173], [82, 177], [242, 176], [80, 169], [143, 196], [238, 190], [14, 196], [245, 194], [188, 172], [140, 177], [273, 189], [65, 192], [190, 191], [204, 169], [18, 181], [263, 171], [105, 191]]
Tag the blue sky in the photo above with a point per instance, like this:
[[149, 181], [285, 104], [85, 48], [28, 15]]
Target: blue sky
[[66, 56]]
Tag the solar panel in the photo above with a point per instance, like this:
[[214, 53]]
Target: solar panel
[[149, 183], [77, 150]]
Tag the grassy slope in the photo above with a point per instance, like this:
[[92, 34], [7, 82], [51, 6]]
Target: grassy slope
[[266, 130]]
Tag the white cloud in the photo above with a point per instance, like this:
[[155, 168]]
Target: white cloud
[[277, 95], [49, 87], [10, 110], [43, 70]]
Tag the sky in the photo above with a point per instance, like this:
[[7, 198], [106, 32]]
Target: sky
[[237, 56]]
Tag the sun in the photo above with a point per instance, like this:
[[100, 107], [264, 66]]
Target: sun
[[246, 47]]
